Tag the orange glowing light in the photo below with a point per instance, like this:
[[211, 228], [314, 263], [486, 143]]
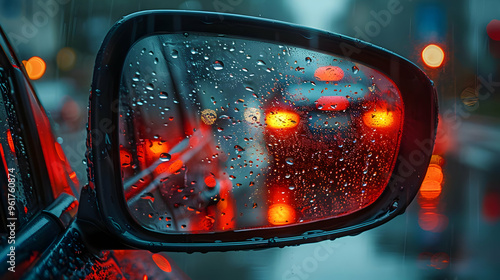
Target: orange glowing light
[[162, 262], [430, 189], [329, 73], [175, 166], [169, 168], [10, 141], [157, 147], [210, 181], [434, 173], [438, 160], [125, 158], [433, 56], [281, 214], [35, 67], [378, 119], [282, 119]]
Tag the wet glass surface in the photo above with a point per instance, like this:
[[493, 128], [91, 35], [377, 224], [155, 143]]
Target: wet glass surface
[[222, 133]]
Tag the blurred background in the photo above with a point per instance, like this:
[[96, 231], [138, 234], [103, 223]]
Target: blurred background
[[450, 231]]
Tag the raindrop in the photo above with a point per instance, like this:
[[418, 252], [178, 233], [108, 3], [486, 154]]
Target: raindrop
[[308, 60], [148, 196], [261, 62], [239, 149], [174, 54], [218, 65], [163, 95], [249, 89], [291, 188], [355, 70], [289, 160], [150, 87], [165, 157], [137, 77]]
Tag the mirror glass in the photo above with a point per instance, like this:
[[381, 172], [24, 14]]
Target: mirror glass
[[222, 133]]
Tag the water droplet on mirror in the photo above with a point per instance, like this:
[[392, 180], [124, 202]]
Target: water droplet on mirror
[[165, 157], [261, 62], [355, 70], [239, 149], [163, 95], [289, 161], [308, 60], [174, 53], [148, 196], [249, 89], [150, 87], [291, 188], [137, 77], [218, 65]]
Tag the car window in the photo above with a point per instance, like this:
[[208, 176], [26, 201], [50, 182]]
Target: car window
[[19, 198]]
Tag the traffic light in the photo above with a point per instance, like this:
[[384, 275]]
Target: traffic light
[[430, 25]]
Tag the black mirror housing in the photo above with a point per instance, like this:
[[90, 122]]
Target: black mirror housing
[[103, 210]]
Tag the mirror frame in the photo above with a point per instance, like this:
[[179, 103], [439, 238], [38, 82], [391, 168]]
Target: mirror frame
[[105, 189]]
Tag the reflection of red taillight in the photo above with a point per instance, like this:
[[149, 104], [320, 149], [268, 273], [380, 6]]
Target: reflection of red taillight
[[329, 73], [10, 141], [277, 119], [379, 118], [150, 151], [162, 262], [280, 211], [156, 147], [281, 214], [210, 181], [125, 158], [332, 103]]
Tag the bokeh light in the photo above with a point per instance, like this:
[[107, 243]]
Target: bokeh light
[[433, 56], [35, 67]]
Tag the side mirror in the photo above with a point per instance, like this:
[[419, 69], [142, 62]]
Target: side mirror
[[210, 133]]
